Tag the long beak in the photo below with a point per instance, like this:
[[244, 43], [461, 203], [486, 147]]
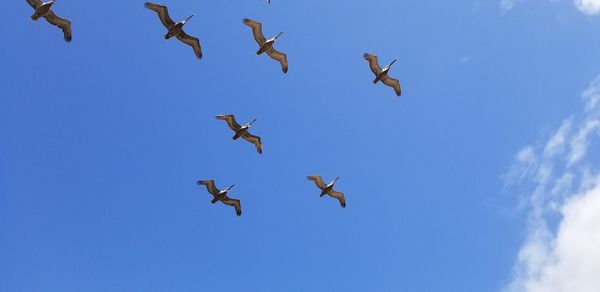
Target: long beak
[[189, 17], [229, 187], [336, 179], [278, 35], [390, 65], [253, 121]]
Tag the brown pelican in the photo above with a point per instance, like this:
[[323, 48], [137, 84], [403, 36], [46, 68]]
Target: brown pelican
[[242, 131], [175, 29], [328, 189], [44, 9], [382, 74], [221, 195], [266, 46]]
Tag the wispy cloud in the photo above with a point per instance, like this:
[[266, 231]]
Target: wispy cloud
[[591, 7], [507, 5], [566, 257]]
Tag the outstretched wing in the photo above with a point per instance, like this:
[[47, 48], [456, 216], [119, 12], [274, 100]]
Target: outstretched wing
[[34, 3], [254, 140], [231, 122], [281, 57], [318, 181], [192, 41], [62, 23], [373, 63], [163, 13], [210, 186], [339, 196], [394, 83], [234, 203], [256, 30]]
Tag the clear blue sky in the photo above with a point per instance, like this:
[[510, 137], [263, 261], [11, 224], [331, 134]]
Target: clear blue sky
[[102, 140]]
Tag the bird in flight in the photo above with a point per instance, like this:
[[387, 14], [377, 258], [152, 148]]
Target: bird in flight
[[266, 45], [382, 74], [327, 189], [221, 195], [242, 131], [175, 29], [44, 9]]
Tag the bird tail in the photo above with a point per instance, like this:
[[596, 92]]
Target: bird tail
[[35, 17], [214, 200]]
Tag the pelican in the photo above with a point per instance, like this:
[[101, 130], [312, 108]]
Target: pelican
[[328, 189], [266, 46], [221, 195], [44, 9], [175, 29], [382, 74], [242, 131]]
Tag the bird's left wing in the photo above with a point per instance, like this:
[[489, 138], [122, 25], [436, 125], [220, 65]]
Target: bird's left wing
[[163, 13], [34, 3], [234, 203], [256, 30], [192, 41], [394, 83], [62, 23], [231, 122], [318, 181], [339, 196], [279, 56], [210, 186], [254, 140], [373, 63]]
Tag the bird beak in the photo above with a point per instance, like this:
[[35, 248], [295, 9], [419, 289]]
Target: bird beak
[[189, 17], [393, 62], [336, 179], [231, 186], [253, 121], [278, 35]]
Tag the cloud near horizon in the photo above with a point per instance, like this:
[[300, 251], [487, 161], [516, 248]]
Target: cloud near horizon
[[590, 7], [564, 188]]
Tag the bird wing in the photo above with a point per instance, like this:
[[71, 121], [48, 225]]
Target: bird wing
[[231, 122], [34, 3], [394, 83], [192, 41], [62, 23], [339, 196], [256, 30], [281, 57], [373, 63], [163, 13], [254, 140], [233, 202], [210, 186], [318, 181]]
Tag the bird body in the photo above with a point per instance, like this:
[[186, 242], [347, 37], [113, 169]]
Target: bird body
[[44, 9], [242, 131], [327, 189], [382, 74], [221, 196], [175, 29]]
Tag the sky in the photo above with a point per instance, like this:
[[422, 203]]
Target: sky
[[483, 176]]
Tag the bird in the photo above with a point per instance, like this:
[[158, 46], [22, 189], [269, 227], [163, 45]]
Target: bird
[[328, 189], [175, 29], [382, 74], [221, 195], [44, 9], [266, 46], [242, 131]]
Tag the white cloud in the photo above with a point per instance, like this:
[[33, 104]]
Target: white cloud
[[507, 5], [564, 258], [591, 7]]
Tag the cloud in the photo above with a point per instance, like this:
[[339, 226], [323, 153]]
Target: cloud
[[562, 257], [507, 5], [591, 7]]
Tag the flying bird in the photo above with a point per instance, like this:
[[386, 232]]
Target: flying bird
[[242, 131], [266, 46], [221, 195], [175, 29], [44, 9], [382, 74], [328, 189]]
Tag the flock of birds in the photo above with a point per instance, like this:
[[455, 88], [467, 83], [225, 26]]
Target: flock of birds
[[175, 29]]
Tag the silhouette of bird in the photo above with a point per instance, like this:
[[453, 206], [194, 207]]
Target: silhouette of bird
[[242, 131], [328, 189], [382, 74], [44, 9], [175, 29], [221, 195], [266, 46]]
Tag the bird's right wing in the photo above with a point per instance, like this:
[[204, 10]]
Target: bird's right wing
[[62, 23], [210, 186], [318, 181], [254, 140], [163, 13], [339, 196], [256, 30], [394, 83], [192, 41], [279, 56], [373, 63], [231, 122], [34, 3], [234, 203]]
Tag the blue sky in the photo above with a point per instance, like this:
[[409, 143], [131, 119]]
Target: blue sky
[[104, 138]]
